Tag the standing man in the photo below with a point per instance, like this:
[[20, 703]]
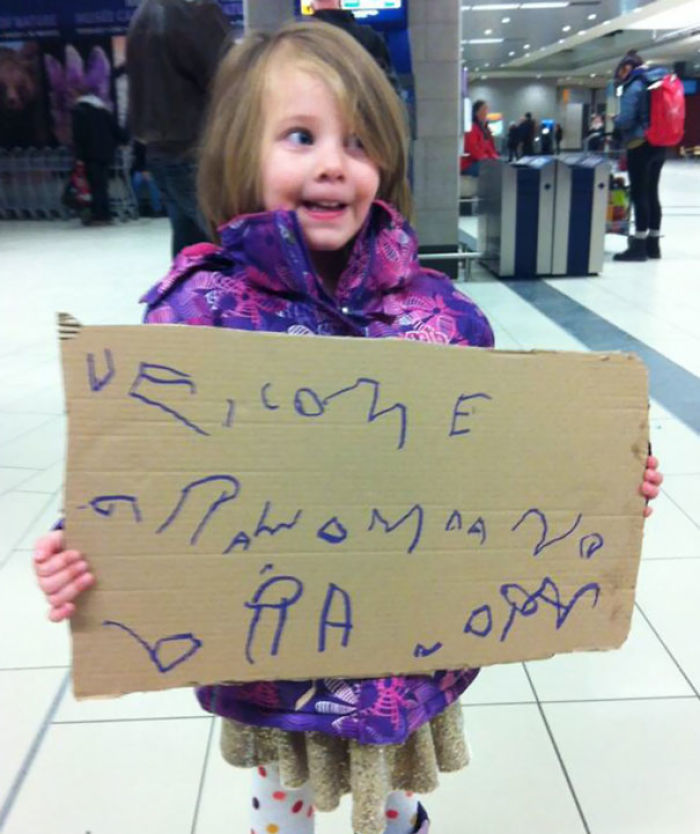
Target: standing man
[[527, 127], [513, 141], [330, 12], [173, 48]]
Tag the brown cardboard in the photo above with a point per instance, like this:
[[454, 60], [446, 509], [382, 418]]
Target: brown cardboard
[[475, 450]]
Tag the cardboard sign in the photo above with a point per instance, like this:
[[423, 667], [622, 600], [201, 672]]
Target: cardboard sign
[[261, 506]]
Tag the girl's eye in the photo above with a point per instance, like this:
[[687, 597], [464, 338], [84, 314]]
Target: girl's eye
[[300, 137], [355, 143]]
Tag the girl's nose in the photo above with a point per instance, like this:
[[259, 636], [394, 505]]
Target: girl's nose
[[330, 163]]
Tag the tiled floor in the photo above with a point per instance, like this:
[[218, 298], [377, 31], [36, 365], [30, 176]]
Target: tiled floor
[[603, 743]]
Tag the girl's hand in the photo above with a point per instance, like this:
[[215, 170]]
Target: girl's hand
[[62, 574], [652, 481]]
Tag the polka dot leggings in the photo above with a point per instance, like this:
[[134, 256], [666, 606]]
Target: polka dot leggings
[[276, 810]]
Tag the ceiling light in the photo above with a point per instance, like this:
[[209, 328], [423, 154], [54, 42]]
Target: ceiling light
[[566, 28], [540, 75], [561, 40], [487, 64], [488, 31], [495, 7], [594, 15], [592, 75], [485, 40], [510, 54], [527, 46], [466, 8], [581, 32], [505, 20], [605, 22], [543, 5]]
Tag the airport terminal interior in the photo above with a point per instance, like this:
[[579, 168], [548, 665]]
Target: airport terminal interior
[[601, 742]]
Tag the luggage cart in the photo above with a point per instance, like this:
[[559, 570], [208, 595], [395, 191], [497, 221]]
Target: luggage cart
[[619, 211]]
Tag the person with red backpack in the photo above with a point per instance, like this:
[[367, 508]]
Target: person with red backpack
[[651, 119]]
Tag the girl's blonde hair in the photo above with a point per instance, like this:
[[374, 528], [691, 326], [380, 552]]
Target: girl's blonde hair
[[230, 164]]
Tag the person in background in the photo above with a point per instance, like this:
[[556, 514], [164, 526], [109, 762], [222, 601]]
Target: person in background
[[96, 136], [558, 136], [141, 180], [330, 11], [513, 141], [595, 140], [644, 161], [528, 129], [478, 142], [173, 48]]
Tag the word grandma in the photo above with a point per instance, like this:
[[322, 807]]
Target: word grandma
[[214, 494], [154, 384]]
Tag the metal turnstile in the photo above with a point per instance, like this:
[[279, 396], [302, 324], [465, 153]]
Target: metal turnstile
[[579, 214], [516, 203]]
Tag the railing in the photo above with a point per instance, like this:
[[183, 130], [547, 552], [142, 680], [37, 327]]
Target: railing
[[32, 182]]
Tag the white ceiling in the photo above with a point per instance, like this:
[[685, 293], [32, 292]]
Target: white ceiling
[[581, 39]]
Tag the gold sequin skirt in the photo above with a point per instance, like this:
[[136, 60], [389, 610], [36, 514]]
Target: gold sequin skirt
[[335, 766]]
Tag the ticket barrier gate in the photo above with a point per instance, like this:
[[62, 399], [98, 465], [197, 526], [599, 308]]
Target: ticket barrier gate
[[543, 215], [580, 206], [516, 217]]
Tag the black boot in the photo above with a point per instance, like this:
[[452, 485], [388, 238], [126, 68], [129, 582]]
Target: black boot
[[636, 250], [653, 248]]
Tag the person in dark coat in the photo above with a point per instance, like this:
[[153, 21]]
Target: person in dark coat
[[513, 141], [173, 48], [96, 136], [558, 135], [330, 12], [527, 135]]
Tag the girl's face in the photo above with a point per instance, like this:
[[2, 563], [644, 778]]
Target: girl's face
[[311, 163]]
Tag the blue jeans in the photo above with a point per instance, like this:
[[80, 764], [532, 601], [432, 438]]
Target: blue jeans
[[473, 169], [176, 180], [141, 179]]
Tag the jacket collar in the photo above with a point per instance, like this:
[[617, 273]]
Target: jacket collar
[[270, 249]]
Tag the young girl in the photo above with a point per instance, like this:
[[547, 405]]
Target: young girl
[[305, 149]]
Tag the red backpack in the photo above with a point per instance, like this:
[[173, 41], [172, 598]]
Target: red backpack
[[666, 112]]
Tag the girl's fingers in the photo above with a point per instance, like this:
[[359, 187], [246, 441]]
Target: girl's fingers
[[63, 612], [55, 582], [653, 476], [70, 591], [48, 545], [649, 490], [58, 562]]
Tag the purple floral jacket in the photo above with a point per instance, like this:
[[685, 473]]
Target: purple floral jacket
[[261, 278]]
